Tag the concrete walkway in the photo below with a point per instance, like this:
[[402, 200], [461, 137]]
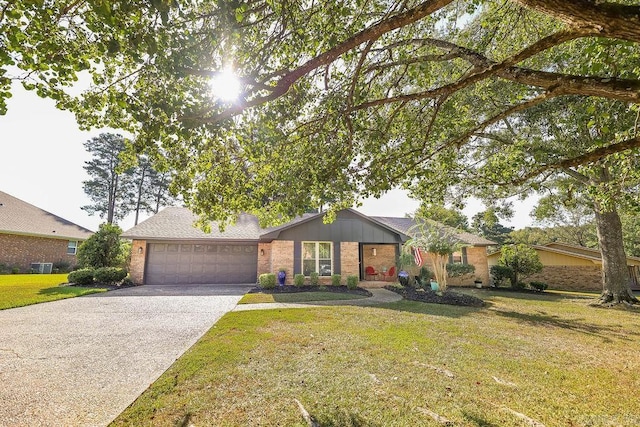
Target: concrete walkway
[[82, 361], [380, 296]]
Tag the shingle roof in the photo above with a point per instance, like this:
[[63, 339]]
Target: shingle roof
[[177, 223], [403, 225], [20, 217]]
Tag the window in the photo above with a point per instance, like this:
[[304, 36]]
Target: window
[[459, 257], [72, 247], [317, 257]]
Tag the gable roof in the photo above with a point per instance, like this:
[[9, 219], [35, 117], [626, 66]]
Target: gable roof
[[404, 225], [20, 217], [567, 249], [177, 223]]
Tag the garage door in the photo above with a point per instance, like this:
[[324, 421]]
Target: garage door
[[173, 263]]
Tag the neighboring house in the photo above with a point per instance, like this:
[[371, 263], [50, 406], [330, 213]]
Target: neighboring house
[[572, 267], [168, 249], [31, 235]]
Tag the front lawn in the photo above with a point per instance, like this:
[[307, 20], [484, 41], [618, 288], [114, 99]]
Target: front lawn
[[522, 360], [297, 297], [17, 290]]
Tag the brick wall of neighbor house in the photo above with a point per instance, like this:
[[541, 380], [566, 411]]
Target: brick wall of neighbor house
[[264, 261], [477, 256], [384, 258], [349, 260], [571, 277], [21, 251], [282, 257], [136, 266]]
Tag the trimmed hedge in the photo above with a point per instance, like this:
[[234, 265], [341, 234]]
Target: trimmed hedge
[[314, 278], [267, 280], [298, 280], [83, 276], [109, 274], [336, 280], [352, 281]]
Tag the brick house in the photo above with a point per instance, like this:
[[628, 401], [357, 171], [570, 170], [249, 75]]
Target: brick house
[[571, 267], [30, 235], [168, 249]]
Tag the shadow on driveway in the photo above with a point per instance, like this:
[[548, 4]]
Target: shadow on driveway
[[176, 290]]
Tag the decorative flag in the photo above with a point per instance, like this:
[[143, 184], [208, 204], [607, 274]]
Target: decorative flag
[[417, 257]]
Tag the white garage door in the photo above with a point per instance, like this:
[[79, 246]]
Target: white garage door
[[186, 263]]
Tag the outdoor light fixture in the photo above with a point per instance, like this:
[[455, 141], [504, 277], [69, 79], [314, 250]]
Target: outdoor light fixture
[[262, 252], [140, 249], [373, 251]]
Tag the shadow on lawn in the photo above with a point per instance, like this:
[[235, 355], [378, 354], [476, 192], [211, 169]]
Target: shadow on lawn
[[444, 310], [605, 332], [66, 290]]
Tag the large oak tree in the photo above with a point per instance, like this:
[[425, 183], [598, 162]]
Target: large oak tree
[[340, 99]]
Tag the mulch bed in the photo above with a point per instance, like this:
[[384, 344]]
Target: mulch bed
[[448, 297], [286, 289]]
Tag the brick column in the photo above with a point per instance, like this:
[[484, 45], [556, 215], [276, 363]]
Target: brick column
[[138, 257], [282, 257], [264, 258], [349, 259]]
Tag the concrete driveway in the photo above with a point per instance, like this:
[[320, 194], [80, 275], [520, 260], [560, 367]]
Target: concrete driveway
[[81, 361]]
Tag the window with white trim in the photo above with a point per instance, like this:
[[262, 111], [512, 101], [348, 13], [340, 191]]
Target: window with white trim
[[72, 247], [317, 257]]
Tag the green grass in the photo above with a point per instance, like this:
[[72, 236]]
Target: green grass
[[17, 290], [548, 357], [297, 297]]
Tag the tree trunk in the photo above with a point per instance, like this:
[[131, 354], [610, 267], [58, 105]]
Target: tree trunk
[[615, 273], [139, 199], [111, 209]]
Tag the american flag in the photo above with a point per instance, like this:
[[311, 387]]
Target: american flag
[[417, 257]]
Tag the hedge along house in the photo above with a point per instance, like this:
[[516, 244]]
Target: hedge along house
[[34, 239], [571, 267], [168, 249]]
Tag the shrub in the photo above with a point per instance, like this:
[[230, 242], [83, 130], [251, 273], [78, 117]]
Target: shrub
[[538, 286], [314, 278], [352, 281], [62, 267], [336, 279], [83, 276], [109, 274], [457, 270], [103, 249], [15, 270], [298, 280], [500, 273], [523, 261], [267, 280]]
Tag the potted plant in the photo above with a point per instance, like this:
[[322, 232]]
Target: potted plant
[[478, 282], [282, 276]]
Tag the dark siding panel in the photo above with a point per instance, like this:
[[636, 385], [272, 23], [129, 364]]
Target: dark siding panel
[[297, 257], [336, 258], [347, 228]]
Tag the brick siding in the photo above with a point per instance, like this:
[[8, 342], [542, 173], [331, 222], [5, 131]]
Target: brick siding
[[282, 257], [384, 258], [264, 261], [349, 260], [138, 257], [21, 251], [570, 277]]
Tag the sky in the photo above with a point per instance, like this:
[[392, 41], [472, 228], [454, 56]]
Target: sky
[[43, 157]]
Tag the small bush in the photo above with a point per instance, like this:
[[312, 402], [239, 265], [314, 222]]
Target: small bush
[[538, 286], [15, 270], [314, 278], [457, 270], [336, 279], [83, 276], [352, 281], [109, 274], [62, 267], [267, 280], [298, 280], [500, 273]]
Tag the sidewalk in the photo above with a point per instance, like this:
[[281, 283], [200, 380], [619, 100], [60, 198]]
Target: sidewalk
[[380, 296]]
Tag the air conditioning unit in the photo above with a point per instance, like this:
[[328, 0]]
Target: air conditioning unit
[[42, 267]]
